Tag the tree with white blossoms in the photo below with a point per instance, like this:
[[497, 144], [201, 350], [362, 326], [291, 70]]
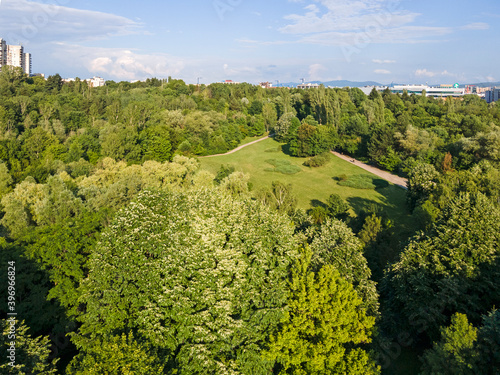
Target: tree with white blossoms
[[200, 277]]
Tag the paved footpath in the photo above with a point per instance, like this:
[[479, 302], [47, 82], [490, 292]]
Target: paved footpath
[[237, 148], [396, 180]]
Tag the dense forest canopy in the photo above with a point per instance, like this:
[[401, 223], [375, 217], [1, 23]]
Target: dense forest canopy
[[131, 259]]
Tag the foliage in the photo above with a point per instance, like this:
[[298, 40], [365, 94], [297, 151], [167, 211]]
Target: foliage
[[324, 327], [201, 276], [117, 355], [283, 166], [334, 244], [279, 198], [337, 207], [31, 354], [318, 160], [450, 268], [453, 354]]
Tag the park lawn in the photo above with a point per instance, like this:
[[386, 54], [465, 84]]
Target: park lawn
[[310, 184]]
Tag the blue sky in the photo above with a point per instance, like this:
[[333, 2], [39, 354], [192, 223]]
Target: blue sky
[[406, 41]]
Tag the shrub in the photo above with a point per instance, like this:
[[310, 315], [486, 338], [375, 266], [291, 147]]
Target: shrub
[[318, 160], [282, 166]]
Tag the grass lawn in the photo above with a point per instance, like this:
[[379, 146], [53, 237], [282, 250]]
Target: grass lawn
[[310, 184]]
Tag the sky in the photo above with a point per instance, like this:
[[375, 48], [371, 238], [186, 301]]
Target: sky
[[403, 41]]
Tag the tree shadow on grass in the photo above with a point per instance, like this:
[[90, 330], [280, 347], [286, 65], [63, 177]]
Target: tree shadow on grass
[[317, 203], [397, 228]]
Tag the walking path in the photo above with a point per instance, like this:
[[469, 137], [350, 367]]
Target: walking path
[[396, 180], [237, 148]]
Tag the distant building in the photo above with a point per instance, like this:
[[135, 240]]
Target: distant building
[[27, 64], [230, 82], [436, 92], [96, 82], [3, 52], [492, 95], [14, 56], [266, 85], [307, 86]]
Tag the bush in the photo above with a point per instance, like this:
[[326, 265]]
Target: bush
[[318, 160], [282, 166]]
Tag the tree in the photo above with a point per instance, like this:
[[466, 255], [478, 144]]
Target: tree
[[422, 180], [156, 144], [53, 83], [31, 355], [117, 355], [270, 116], [279, 197], [450, 269], [199, 275], [335, 244], [454, 353], [5, 180], [324, 327], [337, 207]]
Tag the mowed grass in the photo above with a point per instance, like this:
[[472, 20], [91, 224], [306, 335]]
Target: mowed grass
[[310, 185]]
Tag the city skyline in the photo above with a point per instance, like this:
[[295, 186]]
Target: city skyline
[[286, 40]]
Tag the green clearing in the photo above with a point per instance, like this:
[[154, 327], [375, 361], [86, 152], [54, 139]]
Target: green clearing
[[312, 184]]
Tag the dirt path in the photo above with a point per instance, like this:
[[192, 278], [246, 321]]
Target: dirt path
[[396, 180], [237, 148]]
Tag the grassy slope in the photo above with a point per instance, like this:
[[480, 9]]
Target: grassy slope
[[311, 183]]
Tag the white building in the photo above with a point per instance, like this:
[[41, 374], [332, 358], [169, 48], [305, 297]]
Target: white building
[[306, 86], [14, 56], [27, 64], [96, 82], [436, 92]]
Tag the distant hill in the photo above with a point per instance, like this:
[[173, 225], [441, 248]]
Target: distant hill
[[484, 84], [338, 83]]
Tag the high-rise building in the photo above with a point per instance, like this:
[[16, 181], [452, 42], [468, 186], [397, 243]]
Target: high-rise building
[[27, 64], [14, 56], [492, 95], [3, 52]]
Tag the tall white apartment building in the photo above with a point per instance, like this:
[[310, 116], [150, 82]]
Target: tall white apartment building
[[27, 64], [14, 56]]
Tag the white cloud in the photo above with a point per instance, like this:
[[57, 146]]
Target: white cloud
[[381, 71], [24, 21], [406, 34], [315, 72], [377, 61], [119, 64], [427, 73], [476, 26], [358, 23]]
